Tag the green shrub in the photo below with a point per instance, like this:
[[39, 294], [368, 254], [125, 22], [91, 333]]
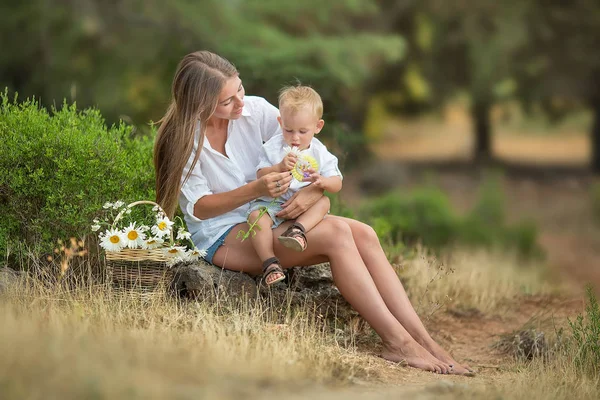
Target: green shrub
[[586, 337], [425, 215], [338, 207], [58, 167], [486, 224]]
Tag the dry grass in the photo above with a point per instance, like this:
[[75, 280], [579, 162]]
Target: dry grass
[[96, 343], [471, 279], [91, 342]]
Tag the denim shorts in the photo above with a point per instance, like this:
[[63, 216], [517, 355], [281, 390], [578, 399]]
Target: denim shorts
[[210, 252], [272, 210]]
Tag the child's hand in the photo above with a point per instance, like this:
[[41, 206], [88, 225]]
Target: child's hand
[[310, 175], [288, 162]]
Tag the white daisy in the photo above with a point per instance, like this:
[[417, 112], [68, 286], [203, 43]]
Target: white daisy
[[195, 254], [183, 235], [107, 205], [162, 227], [175, 251], [95, 227], [152, 243], [112, 240], [118, 204], [294, 150], [134, 237], [175, 254]]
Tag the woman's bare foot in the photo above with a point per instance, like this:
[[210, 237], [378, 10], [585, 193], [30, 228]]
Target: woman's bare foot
[[438, 352], [415, 356]]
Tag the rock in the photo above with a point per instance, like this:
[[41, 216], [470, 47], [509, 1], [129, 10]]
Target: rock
[[201, 280], [310, 287]]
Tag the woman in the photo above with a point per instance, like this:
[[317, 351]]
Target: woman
[[205, 157]]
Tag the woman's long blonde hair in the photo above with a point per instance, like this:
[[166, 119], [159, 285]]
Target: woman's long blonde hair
[[197, 85]]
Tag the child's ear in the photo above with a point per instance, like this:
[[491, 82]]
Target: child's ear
[[319, 126], [279, 120]]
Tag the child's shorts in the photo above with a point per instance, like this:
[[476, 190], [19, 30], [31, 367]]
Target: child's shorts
[[272, 209]]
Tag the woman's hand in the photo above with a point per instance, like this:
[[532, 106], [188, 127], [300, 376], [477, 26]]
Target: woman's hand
[[274, 184], [300, 202]]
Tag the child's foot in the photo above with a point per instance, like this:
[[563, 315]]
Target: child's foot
[[294, 237], [272, 271]]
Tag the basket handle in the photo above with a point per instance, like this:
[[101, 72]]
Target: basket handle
[[135, 203]]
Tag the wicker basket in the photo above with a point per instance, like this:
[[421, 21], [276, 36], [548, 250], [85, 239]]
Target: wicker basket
[[137, 268]]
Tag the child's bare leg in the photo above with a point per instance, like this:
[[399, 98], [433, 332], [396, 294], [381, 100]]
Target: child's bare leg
[[311, 217], [295, 238], [262, 241]]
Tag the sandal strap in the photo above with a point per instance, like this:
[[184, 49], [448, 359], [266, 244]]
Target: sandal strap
[[268, 262], [299, 226], [296, 229]]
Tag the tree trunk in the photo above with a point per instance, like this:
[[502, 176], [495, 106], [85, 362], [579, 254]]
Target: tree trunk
[[481, 119], [596, 138]]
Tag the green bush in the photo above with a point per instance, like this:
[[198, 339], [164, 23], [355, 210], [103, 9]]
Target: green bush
[[58, 167], [586, 337], [486, 224], [338, 207], [425, 215]]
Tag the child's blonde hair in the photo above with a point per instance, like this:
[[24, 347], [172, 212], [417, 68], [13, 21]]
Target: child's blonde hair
[[298, 97]]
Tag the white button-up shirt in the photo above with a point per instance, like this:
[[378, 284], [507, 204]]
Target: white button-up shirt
[[216, 173]]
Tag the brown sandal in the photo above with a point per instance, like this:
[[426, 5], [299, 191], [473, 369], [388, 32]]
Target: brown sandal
[[272, 266], [294, 237]]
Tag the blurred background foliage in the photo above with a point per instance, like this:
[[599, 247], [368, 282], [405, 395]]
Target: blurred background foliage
[[378, 64], [364, 56]]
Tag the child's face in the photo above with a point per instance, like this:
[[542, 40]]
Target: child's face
[[299, 126]]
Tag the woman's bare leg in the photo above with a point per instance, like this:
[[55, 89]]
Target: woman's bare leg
[[393, 292], [262, 241], [332, 239]]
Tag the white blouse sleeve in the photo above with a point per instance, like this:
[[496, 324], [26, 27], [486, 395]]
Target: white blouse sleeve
[[329, 165], [194, 188], [269, 126]]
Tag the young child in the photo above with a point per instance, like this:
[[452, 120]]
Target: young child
[[298, 151]]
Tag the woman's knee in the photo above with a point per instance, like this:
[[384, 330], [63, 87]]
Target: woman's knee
[[364, 233], [336, 233]]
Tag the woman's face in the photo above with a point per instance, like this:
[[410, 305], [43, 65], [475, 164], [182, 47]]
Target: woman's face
[[231, 100]]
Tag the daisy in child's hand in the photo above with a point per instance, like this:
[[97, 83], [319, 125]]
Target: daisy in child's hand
[[288, 163]]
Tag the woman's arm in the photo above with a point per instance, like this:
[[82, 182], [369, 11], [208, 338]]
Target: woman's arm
[[212, 205]]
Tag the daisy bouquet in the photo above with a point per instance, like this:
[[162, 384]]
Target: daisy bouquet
[[124, 230]]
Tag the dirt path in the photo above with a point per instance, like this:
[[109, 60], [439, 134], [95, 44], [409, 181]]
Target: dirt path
[[471, 336]]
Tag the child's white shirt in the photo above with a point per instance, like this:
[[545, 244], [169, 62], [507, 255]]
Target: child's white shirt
[[273, 152]]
